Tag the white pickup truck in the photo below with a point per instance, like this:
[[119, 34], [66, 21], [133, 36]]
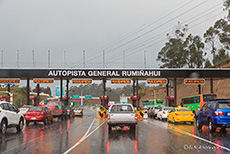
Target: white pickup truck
[[122, 115]]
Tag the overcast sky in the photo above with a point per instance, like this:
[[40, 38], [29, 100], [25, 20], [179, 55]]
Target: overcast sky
[[115, 26]]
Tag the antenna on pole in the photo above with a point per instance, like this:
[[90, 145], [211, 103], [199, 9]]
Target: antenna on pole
[[33, 57], [2, 58], [48, 58], [64, 58], [103, 58], [144, 58], [84, 58], [124, 59], [17, 58]]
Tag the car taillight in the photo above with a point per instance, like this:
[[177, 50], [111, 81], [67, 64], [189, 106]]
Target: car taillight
[[135, 117], [192, 114], [108, 117], [219, 113], [163, 112], [80, 111], [177, 114], [68, 111], [42, 113]]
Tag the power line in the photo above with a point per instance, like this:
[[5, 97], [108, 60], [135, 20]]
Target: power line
[[167, 31], [139, 36]]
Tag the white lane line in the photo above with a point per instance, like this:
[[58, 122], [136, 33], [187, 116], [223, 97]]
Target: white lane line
[[84, 137], [189, 134]]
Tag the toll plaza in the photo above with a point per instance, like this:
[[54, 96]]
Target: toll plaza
[[116, 76]]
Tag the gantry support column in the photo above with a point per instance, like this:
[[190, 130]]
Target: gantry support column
[[28, 92], [61, 93], [211, 85], [175, 93]]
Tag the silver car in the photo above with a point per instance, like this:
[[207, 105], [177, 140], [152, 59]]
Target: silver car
[[78, 111]]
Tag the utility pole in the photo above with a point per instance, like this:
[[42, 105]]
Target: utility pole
[[83, 58], [103, 58], [48, 58], [124, 59], [2, 58], [17, 58], [33, 57], [144, 59], [64, 58]]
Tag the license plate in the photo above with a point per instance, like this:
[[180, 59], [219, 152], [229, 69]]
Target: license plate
[[228, 114], [185, 115], [33, 118]]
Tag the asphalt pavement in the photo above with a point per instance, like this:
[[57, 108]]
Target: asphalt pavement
[[88, 134]]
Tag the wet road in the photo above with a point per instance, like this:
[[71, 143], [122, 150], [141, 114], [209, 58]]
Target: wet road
[[88, 134]]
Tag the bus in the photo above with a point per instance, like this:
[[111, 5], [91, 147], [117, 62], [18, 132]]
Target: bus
[[154, 102], [197, 101]]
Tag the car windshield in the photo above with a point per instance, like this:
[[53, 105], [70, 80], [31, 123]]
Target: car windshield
[[181, 110], [35, 109], [168, 108], [25, 106], [224, 105], [121, 108]]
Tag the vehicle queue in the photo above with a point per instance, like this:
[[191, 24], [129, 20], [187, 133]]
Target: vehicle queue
[[204, 109], [11, 116]]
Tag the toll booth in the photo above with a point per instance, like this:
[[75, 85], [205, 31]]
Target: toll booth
[[170, 101], [134, 100], [106, 100]]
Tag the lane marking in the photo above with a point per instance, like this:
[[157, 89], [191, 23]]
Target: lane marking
[[85, 136], [192, 135]]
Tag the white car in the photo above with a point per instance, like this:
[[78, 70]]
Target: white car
[[10, 116], [163, 112]]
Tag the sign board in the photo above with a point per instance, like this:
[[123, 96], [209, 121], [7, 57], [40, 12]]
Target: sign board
[[9, 80], [157, 81], [81, 81], [58, 91], [88, 96], [121, 81], [75, 96], [194, 81], [124, 99], [43, 81]]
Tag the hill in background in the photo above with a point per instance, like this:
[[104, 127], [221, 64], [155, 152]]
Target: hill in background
[[220, 87]]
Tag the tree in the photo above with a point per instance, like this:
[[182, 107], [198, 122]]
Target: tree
[[173, 54], [221, 55], [194, 46], [211, 37], [207, 63]]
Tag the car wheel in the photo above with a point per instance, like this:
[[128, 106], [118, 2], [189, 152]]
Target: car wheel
[[198, 124], [211, 127], [51, 121], [20, 125], [161, 118], [3, 127], [192, 123], [109, 128], [133, 128], [45, 121]]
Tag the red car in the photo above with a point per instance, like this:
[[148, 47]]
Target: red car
[[39, 114]]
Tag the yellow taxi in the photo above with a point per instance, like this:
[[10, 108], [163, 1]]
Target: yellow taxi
[[181, 114]]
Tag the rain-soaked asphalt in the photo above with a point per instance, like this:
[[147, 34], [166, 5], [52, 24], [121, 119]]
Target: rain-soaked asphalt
[[88, 134]]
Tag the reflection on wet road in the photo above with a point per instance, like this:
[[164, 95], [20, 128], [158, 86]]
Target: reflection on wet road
[[86, 135]]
